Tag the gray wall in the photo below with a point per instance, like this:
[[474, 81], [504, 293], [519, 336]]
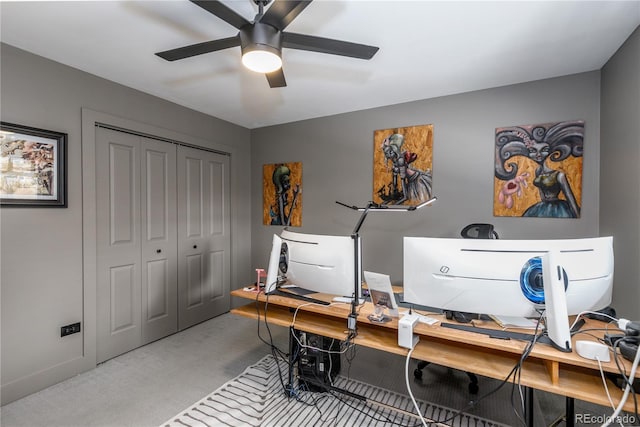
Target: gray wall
[[41, 249], [337, 155], [620, 174], [42, 252]]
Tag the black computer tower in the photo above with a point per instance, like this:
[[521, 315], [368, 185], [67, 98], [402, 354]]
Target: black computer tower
[[316, 368]]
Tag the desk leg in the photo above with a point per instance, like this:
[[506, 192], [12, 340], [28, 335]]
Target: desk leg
[[528, 406], [569, 417], [569, 412]]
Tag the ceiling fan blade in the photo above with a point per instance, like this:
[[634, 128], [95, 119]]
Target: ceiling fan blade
[[199, 48], [223, 12], [330, 46], [276, 79], [282, 12]]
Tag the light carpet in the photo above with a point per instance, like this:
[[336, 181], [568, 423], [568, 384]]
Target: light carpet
[[256, 398]]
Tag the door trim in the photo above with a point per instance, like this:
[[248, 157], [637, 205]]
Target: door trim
[[90, 119]]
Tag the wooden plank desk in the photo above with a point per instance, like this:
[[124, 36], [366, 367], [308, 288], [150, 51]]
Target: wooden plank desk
[[546, 368]]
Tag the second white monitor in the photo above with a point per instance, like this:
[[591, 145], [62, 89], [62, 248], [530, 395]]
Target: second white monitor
[[499, 277]]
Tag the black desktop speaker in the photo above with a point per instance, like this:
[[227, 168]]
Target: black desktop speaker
[[316, 367], [283, 261]]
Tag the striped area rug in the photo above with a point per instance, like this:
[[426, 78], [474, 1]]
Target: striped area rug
[[256, 398]]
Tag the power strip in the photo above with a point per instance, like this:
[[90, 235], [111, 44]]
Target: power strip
[[406, 337], [593, 350]]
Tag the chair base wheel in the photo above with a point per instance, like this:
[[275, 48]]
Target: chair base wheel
[[473, 388], [417, 374]]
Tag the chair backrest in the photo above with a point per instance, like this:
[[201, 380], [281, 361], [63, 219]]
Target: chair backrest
[[479, 231]]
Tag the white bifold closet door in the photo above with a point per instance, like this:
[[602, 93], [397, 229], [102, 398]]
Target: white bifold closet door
[[204, 242], [162, 264]]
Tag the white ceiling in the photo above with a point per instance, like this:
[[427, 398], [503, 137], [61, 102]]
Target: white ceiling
[[427, 49]]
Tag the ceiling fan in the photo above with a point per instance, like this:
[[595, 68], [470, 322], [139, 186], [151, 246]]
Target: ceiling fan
[[262, 40]]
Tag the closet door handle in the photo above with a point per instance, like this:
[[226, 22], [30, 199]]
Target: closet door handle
[[158, 251], [195, 246]]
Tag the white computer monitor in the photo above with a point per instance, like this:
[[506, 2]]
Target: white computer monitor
[[274, 272], [505, 277], [329, 264], [502, 276]]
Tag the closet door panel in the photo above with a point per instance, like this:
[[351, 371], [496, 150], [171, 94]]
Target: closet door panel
[[218, 252], [122, 202], [158, 290], [217, 275], [123, 288], [118, 243], [218, 229], [203, 234], [159, 240], [217, 205], [195, 277], [194, 197]]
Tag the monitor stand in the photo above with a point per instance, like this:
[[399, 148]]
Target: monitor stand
[[556, 313], [290, 294]]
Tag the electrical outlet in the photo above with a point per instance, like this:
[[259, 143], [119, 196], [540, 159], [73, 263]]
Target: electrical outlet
[[70, 329]]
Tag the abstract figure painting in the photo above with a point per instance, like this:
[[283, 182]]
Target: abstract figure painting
[[538, 170], [402, 164], [282, 194]]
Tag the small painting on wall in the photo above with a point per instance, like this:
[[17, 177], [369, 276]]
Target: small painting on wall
[[538, 170], [33, 167], [282, 194], [402, 164]]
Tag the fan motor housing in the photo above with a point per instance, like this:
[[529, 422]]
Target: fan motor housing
[[260, 37]]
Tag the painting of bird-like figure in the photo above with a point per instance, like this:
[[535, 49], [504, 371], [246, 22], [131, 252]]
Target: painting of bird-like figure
[[402, 164], [538, 170], [282, 194]]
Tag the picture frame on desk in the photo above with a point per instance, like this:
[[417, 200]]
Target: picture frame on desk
[[382, 297], [33, 167]]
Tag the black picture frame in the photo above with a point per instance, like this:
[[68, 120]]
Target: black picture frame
[[33, 167]]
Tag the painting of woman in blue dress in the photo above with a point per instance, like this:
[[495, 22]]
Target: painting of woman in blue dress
[[538, 170]]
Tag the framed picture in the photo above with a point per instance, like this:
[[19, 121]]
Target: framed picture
[[538, 170], [402, 164], [282, 194], [33, 167]]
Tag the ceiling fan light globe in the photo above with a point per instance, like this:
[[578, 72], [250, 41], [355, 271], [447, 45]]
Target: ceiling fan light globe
[[261, 61]]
